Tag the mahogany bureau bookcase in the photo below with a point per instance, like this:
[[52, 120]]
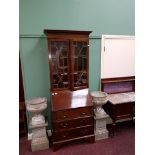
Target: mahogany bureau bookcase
[[72, 108]]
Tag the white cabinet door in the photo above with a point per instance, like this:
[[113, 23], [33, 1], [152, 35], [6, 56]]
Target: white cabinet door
[[117, 56]]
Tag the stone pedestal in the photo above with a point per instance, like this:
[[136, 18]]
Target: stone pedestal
[[39, 137], [38, 124], [99, 99], [101, 131], [40, 144]]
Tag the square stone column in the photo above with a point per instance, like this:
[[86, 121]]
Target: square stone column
[[39, 137], [101, 131]]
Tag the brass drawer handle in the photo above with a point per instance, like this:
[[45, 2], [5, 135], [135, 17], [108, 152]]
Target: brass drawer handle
[[64, 125], [64, 136], [83, 120], [84, 131], [64, 116], [83, 113]]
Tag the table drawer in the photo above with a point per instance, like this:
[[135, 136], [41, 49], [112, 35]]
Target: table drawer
[[72, 113], [124, 108], [73, 123], [73, 133]]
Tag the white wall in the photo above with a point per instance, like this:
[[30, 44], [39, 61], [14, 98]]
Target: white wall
[[117, 56]]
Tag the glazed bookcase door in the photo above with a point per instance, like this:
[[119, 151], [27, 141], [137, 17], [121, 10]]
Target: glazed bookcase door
[[59, 64], [79, 64]]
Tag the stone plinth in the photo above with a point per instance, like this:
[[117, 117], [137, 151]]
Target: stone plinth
[[39, 144], [101, 131], [39, 138]]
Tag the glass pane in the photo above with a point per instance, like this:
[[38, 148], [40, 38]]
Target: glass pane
[[80, 63], [59, 56]]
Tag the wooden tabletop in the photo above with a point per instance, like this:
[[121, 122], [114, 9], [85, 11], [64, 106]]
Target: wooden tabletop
[[70, 99]]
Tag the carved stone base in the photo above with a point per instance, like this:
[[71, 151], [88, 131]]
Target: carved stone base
[[39, 137], [100, 128], [40, 144], [102, 135]]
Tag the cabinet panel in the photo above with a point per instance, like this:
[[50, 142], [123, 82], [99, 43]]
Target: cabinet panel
[[59, 57], [68, 59], [22, 113], [80, 64]]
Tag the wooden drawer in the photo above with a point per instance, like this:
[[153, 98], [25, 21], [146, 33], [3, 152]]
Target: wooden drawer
[[73, 133], [73, 123], [72, 113], [124, 108]]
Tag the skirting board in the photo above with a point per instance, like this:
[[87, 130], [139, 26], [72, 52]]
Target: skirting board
[[30, 134]]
